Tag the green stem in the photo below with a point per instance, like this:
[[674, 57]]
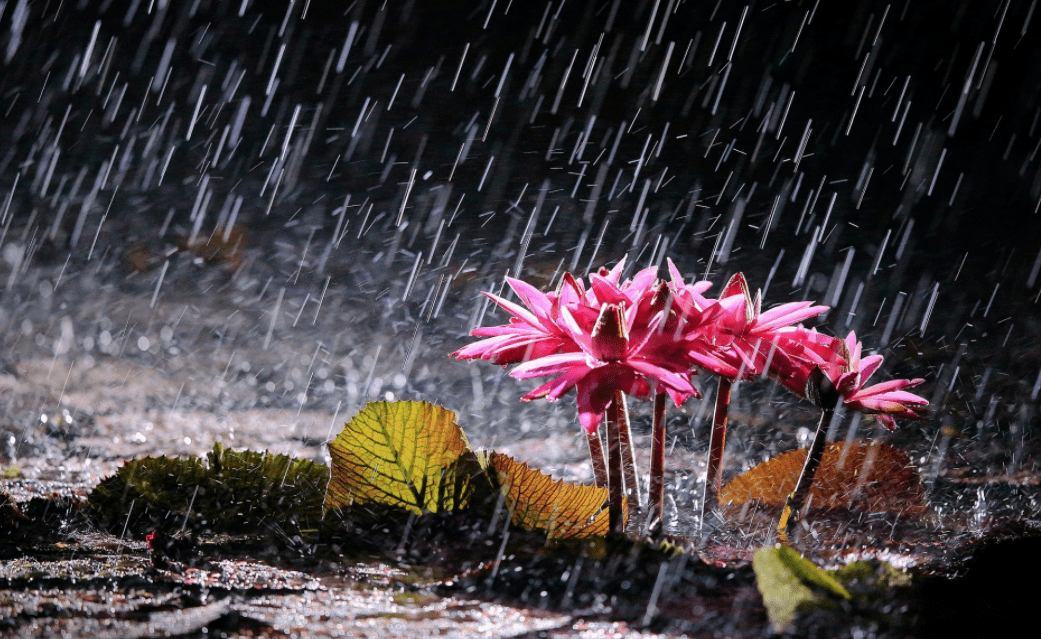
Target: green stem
[[656, 491]]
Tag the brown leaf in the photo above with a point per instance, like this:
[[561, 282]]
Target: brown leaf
[[563, 510], [872, 477]]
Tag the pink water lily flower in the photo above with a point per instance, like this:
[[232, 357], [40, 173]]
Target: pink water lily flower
[[742, 339], [802, 351], [797, 351], [612, 358], [839, 378], [885, 400], [608, 337]]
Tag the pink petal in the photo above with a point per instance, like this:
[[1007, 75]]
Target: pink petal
[[504, 329], [555, 388], [786, 315], [606, 291], [532, 297], [892, 386], [615, 273], [712, 363], [679, 398], [887, 421], [516, 310], [478, 349], [665, 377], [641, 282], [581, 336], [549, 365], [523, 351], [853, 346], [590, 420], [570, 290], [697, 288], [868, 366], [674, 273], [736, 286]]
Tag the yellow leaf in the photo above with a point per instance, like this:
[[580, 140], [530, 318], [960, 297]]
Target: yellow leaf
[[872, 477], [407, 454], [564, 510]]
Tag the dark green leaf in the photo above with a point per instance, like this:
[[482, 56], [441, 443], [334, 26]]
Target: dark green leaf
[[234, 493]]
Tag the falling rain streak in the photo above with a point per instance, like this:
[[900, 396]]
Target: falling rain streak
[[185, 181]]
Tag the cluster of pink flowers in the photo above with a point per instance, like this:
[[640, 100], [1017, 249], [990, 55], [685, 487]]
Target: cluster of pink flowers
[[644, 334]]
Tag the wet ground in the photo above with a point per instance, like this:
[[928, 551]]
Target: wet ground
[[176, 378], [239, 224]]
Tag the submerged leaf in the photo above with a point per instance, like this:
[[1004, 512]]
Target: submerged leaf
[[236, 492], [563, 510], [410, 455], [867, 476]]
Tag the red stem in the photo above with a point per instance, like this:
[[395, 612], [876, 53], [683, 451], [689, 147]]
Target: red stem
[[596, 458], [615, 481], [656, 491], [717, 443], [632, 486]]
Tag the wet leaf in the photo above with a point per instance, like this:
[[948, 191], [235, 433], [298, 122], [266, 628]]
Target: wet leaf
[[564, 510], [805, 570], [410, 455], [868, 476], [871, 575], [413, 456], [230, 492], [790, 583], [795, 591]]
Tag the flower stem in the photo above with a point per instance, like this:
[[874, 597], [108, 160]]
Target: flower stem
[[596, 458], [717, 443], [615, 476], [656, 491], [797, 499], [632, 486]]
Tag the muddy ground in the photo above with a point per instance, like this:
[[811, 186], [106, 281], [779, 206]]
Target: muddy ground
[[82, 415]]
